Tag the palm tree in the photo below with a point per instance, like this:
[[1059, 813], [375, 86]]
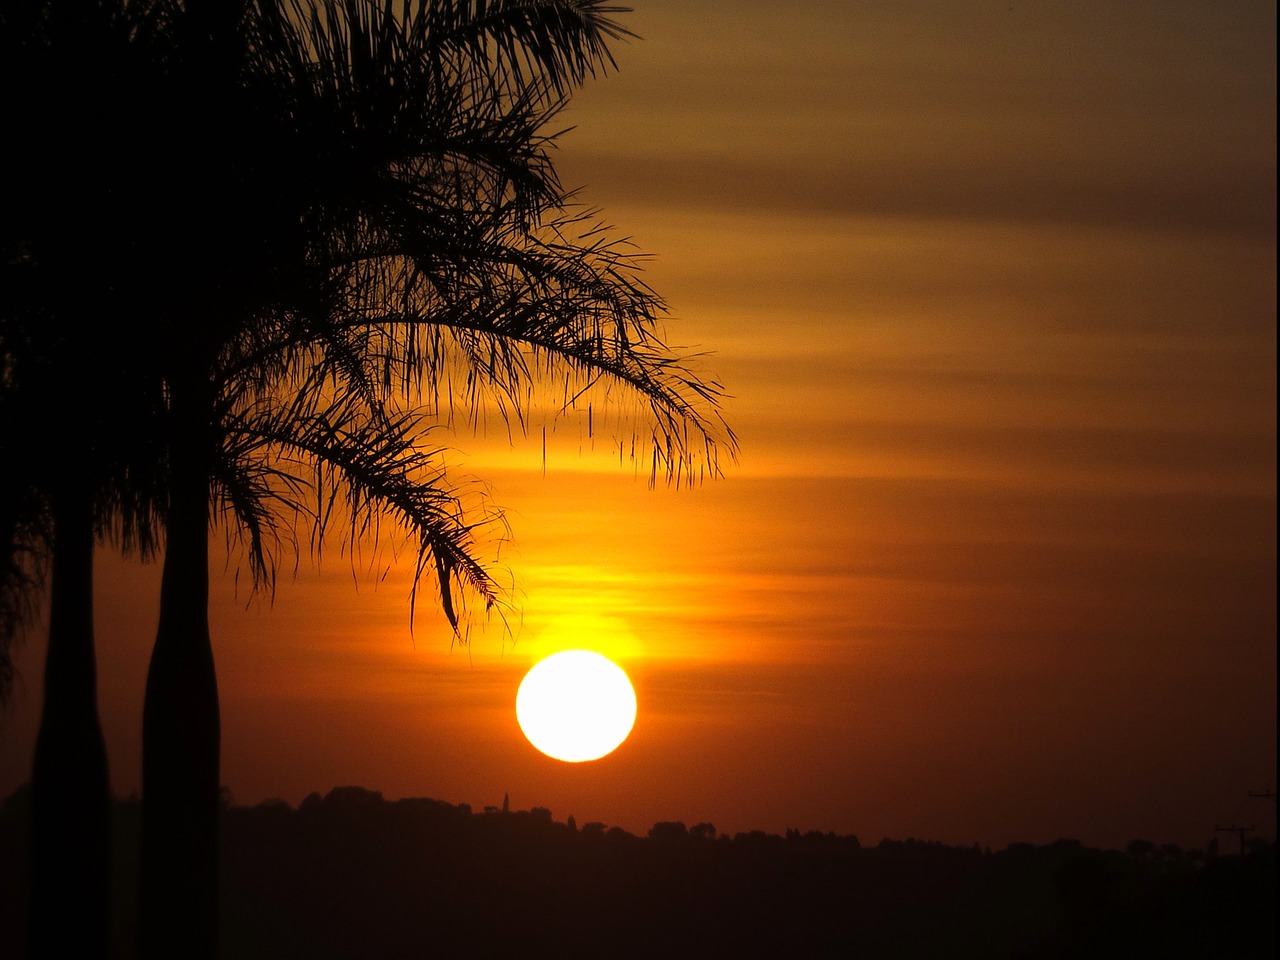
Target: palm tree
[[431, 211], [58, 501], [60, 498], [70, 475], [48, 523], [403, 225], [70, 256], [272, 455], [278, 463]]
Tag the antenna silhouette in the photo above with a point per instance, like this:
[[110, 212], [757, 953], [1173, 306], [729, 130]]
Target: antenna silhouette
[[1237, 830]]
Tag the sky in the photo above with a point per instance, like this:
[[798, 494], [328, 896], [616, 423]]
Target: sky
[[992, 289]]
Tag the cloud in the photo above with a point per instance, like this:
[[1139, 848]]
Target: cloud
[[1239, 198], [1135, 115]]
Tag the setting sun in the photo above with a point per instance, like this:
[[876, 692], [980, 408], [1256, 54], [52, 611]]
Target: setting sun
[[576, 705], [701, 480]]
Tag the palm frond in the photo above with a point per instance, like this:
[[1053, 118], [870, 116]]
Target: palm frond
[[325, 453], [563, 305]]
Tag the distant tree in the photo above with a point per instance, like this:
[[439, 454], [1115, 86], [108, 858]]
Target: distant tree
[[1141, 849], [668, 830], [354, 798]]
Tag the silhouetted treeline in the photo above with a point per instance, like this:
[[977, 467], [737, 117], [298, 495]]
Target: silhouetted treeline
[[351, 875]]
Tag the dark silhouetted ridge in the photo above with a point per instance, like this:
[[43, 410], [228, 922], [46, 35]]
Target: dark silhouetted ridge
[[353, 875]]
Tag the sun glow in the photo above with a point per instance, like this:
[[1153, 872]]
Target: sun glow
[[576, 705]]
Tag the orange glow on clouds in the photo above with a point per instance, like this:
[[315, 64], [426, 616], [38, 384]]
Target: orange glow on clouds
[[993, 292]]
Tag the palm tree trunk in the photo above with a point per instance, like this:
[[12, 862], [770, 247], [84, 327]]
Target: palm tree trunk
[[70, 789], [178, 893]]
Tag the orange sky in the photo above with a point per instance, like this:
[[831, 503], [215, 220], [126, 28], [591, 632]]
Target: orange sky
[[993, 288]]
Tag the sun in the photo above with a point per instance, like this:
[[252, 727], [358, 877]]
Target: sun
[[576, 705]]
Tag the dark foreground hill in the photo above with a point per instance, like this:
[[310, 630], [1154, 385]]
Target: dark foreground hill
[[353, 876]]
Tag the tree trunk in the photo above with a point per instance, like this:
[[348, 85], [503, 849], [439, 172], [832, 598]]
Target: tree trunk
[[178, 893], [70, 789]]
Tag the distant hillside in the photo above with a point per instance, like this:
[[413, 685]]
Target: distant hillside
[[352, 876]]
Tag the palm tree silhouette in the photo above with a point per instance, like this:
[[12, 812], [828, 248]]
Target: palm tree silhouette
[[75, 420], [58, 370], [403, 228], [449, 249], [50, 531]]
